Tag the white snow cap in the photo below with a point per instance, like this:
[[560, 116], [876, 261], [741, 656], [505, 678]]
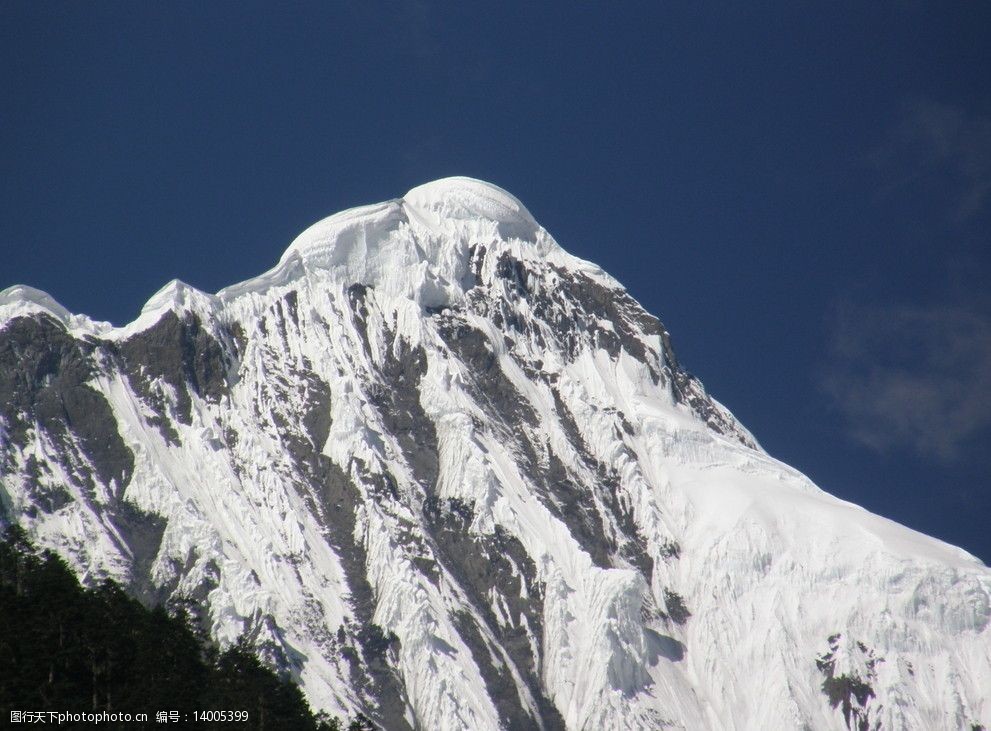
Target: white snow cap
[[443, 206], [417, 247], [462, 199], [21, 299]]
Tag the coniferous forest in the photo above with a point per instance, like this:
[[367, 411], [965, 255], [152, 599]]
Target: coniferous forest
[[67, 648]]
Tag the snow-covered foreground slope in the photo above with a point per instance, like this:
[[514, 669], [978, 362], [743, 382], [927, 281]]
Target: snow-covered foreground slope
[[447, 474]]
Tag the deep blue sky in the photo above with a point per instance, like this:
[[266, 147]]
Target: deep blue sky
[[802, 194]]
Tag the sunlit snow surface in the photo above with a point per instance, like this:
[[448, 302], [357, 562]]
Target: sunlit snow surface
[[528, 368]]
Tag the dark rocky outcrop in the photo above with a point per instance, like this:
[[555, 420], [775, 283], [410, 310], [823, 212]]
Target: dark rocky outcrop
[[850, 692], [183, 354], [44, 384]]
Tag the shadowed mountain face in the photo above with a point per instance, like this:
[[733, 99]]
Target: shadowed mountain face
[[451, 477]]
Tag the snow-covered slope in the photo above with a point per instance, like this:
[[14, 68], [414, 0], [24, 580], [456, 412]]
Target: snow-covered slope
[[447, 474]]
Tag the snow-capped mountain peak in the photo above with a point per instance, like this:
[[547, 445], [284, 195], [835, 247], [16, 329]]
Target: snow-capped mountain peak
[[444, 473]]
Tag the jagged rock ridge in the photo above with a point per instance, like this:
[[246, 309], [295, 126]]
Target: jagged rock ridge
[[450, 476]]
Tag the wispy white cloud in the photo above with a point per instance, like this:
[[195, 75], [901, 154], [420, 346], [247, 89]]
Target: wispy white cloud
[[942, 149], [908, 376]]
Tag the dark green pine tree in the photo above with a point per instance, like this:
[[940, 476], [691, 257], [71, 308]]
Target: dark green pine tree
[[242, 682], [66, 648], [361, 723], [43, 609]]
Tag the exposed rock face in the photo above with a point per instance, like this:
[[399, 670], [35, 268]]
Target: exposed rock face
[[447, 475]]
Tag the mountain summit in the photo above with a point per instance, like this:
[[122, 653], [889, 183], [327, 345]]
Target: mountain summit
[[444, 473]]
